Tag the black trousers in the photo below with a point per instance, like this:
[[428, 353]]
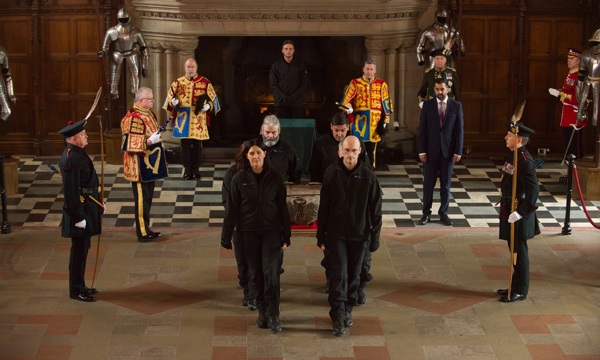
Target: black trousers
[[432, 170], [263, 252], [371, 149], [142, 197], [365, 274], [520, 279], [346, 264], [242, 266], [77, 262], [191, 156]]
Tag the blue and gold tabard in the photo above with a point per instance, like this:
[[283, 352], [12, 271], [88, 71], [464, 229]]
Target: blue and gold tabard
[[140, 161], [190, 122], [371, 101]]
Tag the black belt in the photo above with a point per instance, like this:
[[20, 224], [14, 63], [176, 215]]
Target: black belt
[[89, 191]]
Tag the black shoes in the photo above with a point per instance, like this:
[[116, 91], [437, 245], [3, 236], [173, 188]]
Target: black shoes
[[513, 297], [424, 219], [151, 236], [348, 320], [82, 297], [261, 322], [89, 291], [251, 304], [338, 328], [445, 220], [187, 176], [274, 323], [362, 295]]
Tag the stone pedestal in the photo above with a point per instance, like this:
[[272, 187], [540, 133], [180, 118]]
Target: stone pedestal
[[11, 176], [589, 179], [112, 147]]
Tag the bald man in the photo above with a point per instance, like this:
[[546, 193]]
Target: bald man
[[349, 224], [189, 101]]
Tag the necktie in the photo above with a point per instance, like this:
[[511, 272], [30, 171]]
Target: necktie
[[442, 112]]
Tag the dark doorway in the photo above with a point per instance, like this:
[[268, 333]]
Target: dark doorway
[[238, 68]]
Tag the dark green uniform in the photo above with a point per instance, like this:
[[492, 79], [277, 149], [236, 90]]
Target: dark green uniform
[[527, 227], [80, 183], [450, 77]]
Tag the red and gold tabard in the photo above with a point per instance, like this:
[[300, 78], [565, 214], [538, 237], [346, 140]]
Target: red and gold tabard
[[136, 127], [190, 122], [568, 96], [370, 101]]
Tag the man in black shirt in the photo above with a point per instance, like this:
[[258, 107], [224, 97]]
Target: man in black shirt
[[289, 80]]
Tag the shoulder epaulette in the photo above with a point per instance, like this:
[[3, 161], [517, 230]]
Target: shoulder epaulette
[[428, 70]]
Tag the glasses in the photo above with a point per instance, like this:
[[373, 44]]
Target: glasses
[[151, 99]]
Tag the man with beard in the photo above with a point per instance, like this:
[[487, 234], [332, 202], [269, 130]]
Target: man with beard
[[440, 146], [281, 155]]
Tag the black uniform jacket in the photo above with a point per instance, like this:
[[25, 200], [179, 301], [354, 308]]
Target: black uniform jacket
[[526, 195], [289, 82], [324, 153], [257, 206], [350, 204], [283, 158], [80, 182]]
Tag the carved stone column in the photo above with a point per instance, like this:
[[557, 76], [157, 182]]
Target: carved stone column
[[166, 65]]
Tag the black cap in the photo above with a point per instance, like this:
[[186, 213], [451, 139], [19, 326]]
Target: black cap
[[523, 131], [438, 52], [73, 128]]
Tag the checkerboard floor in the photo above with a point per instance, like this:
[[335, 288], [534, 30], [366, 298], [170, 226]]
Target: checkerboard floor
[[198, 203]]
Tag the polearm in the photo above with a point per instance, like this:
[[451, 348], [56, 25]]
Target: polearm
[[513, 200], [513, 255], [99, 117]]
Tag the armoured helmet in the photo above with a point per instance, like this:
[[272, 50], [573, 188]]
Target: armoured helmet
[[595, 37], [123, 16], [441, 15]]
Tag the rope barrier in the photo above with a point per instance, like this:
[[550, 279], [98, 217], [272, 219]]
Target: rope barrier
[[585, 211]]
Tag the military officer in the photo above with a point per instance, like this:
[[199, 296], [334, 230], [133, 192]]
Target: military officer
[[82, 206], [524, 216], [439, 71]]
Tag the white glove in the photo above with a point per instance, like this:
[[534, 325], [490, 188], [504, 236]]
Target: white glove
[[384, 125], [421, 104], [154, 138], [80, 224], [553, 92], [174, 102], [206, 107], [349, 110], [514, 217]]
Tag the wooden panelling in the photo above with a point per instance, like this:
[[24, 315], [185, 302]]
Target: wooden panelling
[[487, 78]]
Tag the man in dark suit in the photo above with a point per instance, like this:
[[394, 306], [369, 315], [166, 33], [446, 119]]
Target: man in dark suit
[[440, 146]]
